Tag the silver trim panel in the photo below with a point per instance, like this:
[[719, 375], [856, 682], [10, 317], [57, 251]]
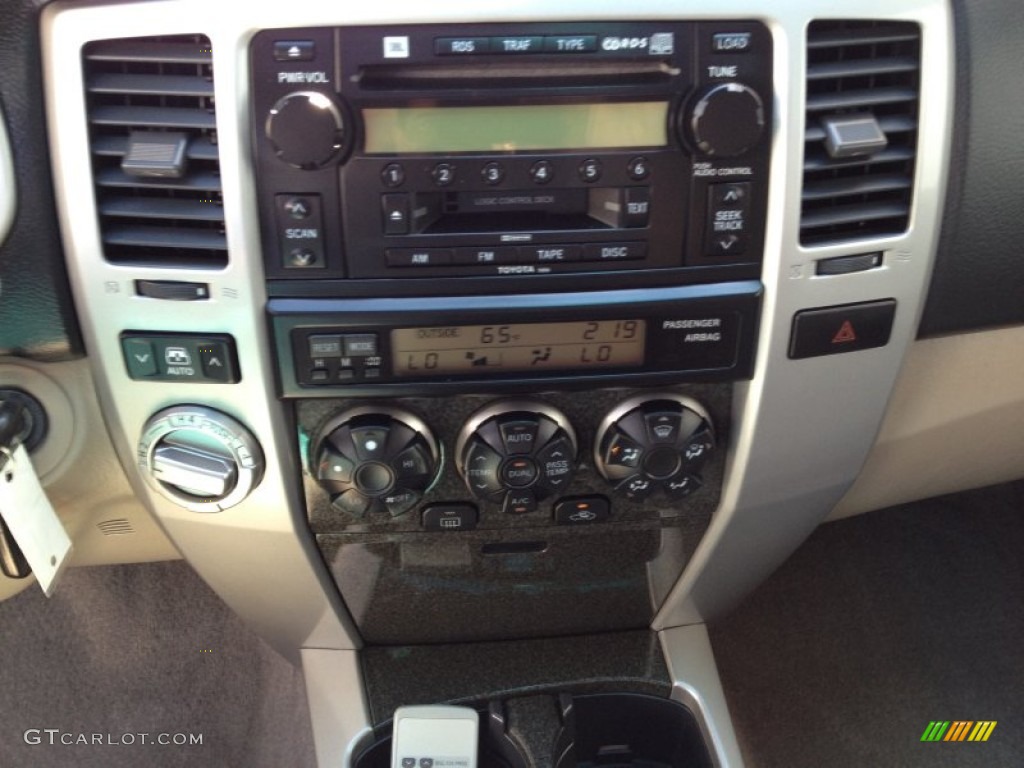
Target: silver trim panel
[[8, 184], [695, 683], [803, 428], [337, 705]]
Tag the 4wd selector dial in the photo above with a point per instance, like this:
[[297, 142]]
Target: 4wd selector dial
[[654, 443], [199, 458], [375, 458], [516, 454]]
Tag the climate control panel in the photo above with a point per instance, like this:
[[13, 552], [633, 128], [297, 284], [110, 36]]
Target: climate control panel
[[517, 454], [513, 462]]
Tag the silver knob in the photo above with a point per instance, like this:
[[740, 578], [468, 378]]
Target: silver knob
[[199, 458]]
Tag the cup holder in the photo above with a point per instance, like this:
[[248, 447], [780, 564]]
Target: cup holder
[[606, 730], [625, 730], [496, 749]]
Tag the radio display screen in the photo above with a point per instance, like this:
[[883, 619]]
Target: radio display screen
[[514, 128], [521, 347]]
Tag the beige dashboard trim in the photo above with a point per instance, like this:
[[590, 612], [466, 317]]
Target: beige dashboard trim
[[955, 421]]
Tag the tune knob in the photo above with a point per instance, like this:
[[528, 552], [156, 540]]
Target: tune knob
[[654, 443], [306, 129], [727, 120], [199, 458], [516, 454], [373, 458]]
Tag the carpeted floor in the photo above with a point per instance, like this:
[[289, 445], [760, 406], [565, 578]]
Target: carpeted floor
[[122, 651], [875, 627], [878, 625]]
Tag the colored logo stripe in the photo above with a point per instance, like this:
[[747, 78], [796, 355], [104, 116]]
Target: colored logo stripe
[[958, 730], [982, 730]]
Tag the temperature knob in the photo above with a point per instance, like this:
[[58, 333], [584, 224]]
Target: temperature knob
[[654, 443], [199, 458], [372, 458], [516, 454]]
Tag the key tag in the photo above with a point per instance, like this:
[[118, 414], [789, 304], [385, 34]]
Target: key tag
[[32, 520]]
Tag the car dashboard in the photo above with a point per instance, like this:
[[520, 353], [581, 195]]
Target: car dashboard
[[459, 328]]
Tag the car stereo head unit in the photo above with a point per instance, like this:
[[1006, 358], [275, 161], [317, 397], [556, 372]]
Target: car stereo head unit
[[512, 150]]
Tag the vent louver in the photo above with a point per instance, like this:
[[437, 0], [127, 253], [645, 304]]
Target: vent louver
[[152, 132], [865, 73]]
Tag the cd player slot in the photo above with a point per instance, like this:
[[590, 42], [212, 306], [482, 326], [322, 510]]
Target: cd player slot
[[606, 74], [527, 210]]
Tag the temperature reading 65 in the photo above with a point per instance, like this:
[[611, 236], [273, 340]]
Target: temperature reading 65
[[490, 333]]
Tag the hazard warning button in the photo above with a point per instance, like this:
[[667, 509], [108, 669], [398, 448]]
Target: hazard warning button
[[847, 328]]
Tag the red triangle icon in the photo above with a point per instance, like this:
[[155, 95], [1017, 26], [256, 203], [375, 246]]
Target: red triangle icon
[[845, 333]]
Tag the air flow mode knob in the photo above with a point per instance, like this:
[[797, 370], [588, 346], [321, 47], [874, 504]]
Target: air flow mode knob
[[516, 454], [727, 120], [654, 443], [375, 458], [199, 458], [306, 129]]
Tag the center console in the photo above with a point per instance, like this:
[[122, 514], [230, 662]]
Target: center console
[[448, 340]]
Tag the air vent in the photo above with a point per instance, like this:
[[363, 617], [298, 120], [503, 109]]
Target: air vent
[[152, 131], [861, 129], [118, 527]]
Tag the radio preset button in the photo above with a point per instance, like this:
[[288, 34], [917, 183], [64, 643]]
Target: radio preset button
[[443, 174], [614, 251], [461, 46], [542, 172], [393, 175], [486, 256], [638, 168], [418, 257], [493, 173], [590, 170]]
